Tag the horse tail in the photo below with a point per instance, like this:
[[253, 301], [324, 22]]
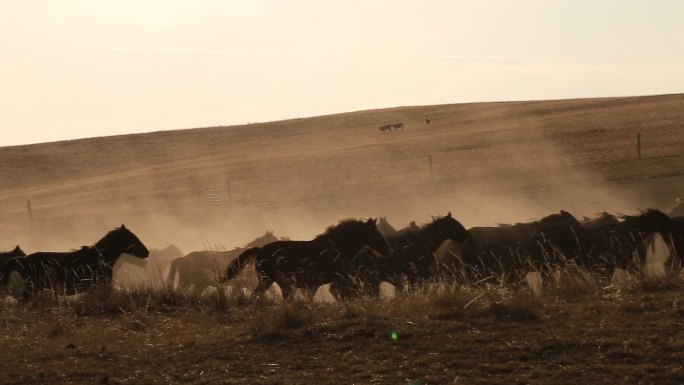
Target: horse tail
[[239, 263], [173, 269]]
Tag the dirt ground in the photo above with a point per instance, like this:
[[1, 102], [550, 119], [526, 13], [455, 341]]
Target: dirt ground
[[568, 337]]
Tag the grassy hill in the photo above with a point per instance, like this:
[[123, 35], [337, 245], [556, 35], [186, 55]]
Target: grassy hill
[[492, 162]]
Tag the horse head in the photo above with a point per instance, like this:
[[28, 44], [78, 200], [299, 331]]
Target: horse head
[[265, 239], [446, 227], [562, 217], [385, 226], [123, 240], [17, 252]]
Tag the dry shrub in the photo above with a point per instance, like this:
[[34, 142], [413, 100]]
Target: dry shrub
[[270, 320], [648, 284], [104, 301], [572, 284], [518, 308], [450, 302]]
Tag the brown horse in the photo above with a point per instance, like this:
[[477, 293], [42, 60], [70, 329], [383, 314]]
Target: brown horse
[[67, 272], [6, 256], [328, 258], [498, 252], [411, 262], [600, 249], [194, 270]]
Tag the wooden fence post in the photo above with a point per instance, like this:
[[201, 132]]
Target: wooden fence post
[[638, 145], [30, 212], [432, 175]]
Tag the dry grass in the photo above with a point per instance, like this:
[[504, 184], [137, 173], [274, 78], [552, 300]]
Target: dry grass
[[476, 334]]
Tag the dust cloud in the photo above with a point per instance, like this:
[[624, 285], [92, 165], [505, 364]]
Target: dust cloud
[[219, 188]]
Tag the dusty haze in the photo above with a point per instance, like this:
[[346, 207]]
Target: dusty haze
[[493, 163]]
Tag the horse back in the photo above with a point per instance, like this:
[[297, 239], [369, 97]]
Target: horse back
[[60, 259]]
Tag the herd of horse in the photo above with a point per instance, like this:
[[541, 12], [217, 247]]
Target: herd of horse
[[355, 256]]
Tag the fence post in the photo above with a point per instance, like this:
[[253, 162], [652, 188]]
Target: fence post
[[638, 145], [30, 212], [432, 175]]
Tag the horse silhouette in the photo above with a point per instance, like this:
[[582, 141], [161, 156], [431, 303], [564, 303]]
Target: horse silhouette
[[69, 272], [599, 220], [327, 258], [131, 272], [412, 260], [599, 249], [7, 255], [498, 252], [195, 269]]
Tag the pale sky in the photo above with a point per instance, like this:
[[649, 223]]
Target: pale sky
[[72, 69]]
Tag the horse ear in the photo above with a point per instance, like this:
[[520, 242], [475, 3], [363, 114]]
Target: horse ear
[[123, 226], [449, 215], [372, 221]]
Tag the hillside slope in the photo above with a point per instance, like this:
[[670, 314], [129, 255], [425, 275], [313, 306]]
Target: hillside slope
[[492, 162]]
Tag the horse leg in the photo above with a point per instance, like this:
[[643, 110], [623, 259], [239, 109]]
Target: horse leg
[[287, 290], [310, 293], [261, 288], [264, 282]]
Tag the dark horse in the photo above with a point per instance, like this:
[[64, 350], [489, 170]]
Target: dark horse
[[599, 220], [67, 272], [599, 249], [7, 255], [499, 251], [195, 268], [412, 260], [309, 264], [677, 243]]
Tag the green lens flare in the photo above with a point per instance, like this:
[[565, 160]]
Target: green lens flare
[[394, 336]]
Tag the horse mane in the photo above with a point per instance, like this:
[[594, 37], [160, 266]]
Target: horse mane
[[427, 225], [644, 213], [435, 219], [341, 227], [112, 232]]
